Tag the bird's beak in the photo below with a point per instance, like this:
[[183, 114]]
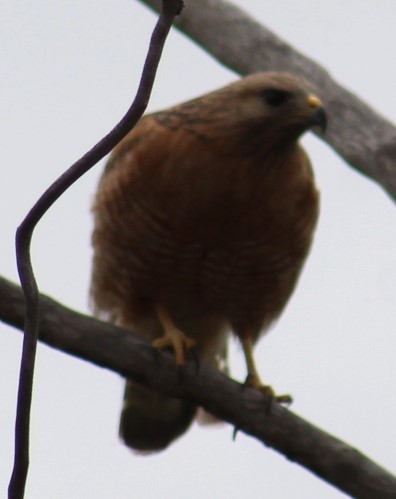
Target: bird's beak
[[318, 116], [319, 119]]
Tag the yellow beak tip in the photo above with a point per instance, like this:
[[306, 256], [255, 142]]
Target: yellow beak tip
[[314, 102]]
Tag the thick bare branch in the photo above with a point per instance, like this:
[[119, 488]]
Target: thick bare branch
[[116, 349], [360, 135]]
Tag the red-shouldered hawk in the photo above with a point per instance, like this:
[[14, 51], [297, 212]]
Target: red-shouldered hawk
[[203, 220]]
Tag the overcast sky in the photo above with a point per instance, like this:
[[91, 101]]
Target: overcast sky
[[69, 71]]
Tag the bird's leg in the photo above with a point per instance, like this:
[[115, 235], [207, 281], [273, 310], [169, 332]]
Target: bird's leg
[[253, 378], [172, 337]]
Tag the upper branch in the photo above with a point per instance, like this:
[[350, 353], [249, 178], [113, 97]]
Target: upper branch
[[119, 350], [360, 135]]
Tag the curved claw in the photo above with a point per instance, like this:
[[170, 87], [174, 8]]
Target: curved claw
[[253, 379], [235, 433], [254, 382], [178, 342], [173, 338]]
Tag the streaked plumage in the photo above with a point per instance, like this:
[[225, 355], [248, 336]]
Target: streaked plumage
[[203, 219]]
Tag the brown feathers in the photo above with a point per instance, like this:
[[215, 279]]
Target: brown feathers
[[206, 211]]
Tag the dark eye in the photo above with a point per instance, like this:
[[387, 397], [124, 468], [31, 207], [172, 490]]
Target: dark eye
[[275, 97]]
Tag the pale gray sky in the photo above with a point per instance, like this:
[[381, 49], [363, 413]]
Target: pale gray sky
[[69, 72]]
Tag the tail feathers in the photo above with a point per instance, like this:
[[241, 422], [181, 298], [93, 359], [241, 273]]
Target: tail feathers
[[150, 421]]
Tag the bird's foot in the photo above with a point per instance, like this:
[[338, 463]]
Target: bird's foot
[[178, 342], [253, 381]]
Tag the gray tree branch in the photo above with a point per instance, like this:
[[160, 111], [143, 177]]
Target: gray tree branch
[[356, 132], [119, 350]]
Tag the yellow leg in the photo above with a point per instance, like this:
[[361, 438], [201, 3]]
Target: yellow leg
[[173, 337], [253, 378]]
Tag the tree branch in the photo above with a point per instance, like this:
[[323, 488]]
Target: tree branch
[[119, 350], [360, 135]]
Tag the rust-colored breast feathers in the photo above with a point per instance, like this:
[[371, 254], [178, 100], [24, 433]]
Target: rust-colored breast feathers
[[182, 224], [203, 220]]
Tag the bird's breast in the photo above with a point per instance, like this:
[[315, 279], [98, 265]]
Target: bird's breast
[[198, 242]]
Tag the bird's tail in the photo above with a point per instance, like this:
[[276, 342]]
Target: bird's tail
[[150, 421]]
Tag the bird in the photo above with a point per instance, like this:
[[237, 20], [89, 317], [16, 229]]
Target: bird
[[203, 219]]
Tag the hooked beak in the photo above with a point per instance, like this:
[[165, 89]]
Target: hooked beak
[[318, 117]]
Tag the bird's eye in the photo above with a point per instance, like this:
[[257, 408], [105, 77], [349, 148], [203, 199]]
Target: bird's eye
[[275, 97]]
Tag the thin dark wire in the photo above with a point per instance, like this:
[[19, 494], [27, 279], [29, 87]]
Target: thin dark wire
[[170, 8]]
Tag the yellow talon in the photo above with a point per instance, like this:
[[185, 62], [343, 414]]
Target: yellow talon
[[253, 379], [173, 338], [254, 382], [179, 342]]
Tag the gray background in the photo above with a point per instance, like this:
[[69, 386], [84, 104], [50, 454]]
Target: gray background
[[69, 70]]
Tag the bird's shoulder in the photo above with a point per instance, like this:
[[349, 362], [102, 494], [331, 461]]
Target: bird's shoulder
[[156, 137]]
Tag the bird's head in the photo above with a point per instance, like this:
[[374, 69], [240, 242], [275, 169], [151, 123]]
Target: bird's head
[[276, 105]]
